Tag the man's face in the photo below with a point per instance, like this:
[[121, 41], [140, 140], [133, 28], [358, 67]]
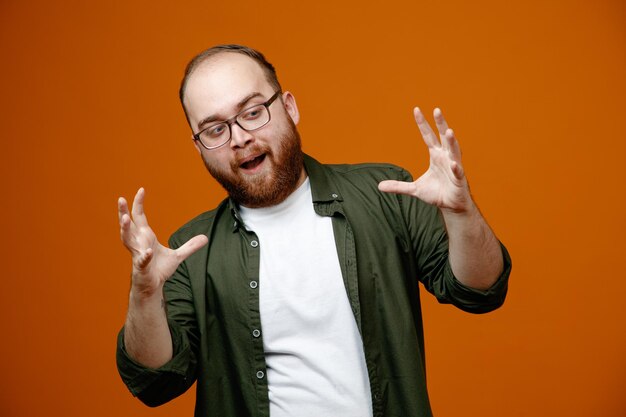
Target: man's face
[[259, 168]]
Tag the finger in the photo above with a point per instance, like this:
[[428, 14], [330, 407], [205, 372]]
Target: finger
[[397, 187], [144, 259], [126, 233], [122, 208], [440, 121], [430, 139], [125, 223], [457, 170], [452, 145], [191, 246], [124, 219], [138, 214]]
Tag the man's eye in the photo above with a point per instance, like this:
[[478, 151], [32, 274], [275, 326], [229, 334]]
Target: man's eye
[[216, 130], [252, 113]]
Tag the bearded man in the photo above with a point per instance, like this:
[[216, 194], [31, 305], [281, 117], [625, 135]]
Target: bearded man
[[298, 295]]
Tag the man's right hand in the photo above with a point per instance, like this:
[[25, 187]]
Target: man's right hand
[[147, 337], [153, 263]]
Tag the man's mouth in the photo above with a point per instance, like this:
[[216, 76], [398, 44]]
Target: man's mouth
[[250, 164]]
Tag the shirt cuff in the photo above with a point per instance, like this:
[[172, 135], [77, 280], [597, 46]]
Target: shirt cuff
[[138, 377], [474, 300]]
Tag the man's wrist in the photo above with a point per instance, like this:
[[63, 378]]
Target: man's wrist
[[469, 213], [142, 296]]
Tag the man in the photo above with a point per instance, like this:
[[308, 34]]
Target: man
[[298, 295]]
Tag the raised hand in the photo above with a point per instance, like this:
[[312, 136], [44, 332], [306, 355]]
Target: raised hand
[[153, 263], [474, 251], [443, 184]]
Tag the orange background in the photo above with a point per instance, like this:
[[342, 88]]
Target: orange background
[[535, 91]]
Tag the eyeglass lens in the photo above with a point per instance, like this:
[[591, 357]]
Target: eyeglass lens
[[250, 119]]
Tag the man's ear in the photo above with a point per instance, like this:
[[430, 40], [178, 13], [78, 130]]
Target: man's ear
[[195, 143], [289, 102]]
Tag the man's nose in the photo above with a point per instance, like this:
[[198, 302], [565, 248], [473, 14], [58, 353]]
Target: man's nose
[[239, 137]]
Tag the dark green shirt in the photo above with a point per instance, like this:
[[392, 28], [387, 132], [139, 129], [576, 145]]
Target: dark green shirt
[[386, 244]]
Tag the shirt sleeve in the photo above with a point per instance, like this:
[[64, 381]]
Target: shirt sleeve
[[429, 242], [158, 386], [448, 289]]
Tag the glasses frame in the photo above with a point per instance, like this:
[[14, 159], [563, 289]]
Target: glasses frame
[[233, 120]]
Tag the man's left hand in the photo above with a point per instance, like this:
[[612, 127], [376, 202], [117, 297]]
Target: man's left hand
[[444, 184]]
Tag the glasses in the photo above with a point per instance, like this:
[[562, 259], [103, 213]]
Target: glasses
[[250, 119]]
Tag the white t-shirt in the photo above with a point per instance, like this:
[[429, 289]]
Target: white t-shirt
[[313, 348]]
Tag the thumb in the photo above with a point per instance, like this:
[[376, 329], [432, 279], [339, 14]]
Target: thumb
[[397, 187], [191, 246]]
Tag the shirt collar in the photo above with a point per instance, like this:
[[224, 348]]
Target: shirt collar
[[323, 189]]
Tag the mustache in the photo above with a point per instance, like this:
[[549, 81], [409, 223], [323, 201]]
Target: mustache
[[244, 154]]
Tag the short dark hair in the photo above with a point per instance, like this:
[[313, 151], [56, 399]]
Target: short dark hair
[[268, 69]]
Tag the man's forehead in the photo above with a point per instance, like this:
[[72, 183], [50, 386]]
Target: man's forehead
[[223, 80], [224, 75], [226, 68]]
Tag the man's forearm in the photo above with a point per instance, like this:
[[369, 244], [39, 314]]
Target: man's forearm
[[474, 251], [147, 337]]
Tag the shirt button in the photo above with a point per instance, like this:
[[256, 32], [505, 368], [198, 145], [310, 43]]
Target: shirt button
[[254, 243], [333, 195], [256, 333], [260, 374], [253, 284]]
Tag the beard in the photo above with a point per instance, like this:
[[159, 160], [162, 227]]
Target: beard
[[265, 190]]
